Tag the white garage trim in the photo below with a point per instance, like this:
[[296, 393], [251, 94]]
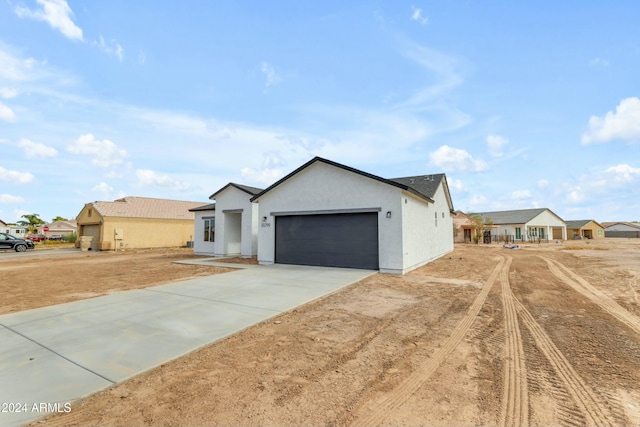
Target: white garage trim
[[326, 211]]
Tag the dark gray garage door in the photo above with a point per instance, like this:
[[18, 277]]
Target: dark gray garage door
[[333, 240]]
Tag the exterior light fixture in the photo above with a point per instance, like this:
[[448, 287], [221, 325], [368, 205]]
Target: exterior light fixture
[[388, 214], [264, 219]]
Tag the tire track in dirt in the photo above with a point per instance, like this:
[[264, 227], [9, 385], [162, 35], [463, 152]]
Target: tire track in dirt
[[515, 397], [584, 398], [409, 386], [592, 293]]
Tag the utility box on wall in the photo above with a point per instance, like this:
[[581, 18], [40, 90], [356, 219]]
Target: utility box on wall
[[118, 234]]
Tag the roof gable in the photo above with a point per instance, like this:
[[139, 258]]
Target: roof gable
[[520, 216], [209, 207], [252, 191], [579, 223], [628, 224], [144, 207], [395, 182]]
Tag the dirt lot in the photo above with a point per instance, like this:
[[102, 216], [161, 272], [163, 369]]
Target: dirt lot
[[543, 335]]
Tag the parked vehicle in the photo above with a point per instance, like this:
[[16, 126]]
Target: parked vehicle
[[37, 237], [9, 241], [56, 237]]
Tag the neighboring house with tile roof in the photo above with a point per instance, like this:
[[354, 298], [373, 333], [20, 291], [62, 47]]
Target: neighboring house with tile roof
[[622, 229], [526, 225], [328, 214], [584, 229], [137, 222], [64, 228]]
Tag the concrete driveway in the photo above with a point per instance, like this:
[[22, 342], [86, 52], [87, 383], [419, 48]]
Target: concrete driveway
[[51, 356]]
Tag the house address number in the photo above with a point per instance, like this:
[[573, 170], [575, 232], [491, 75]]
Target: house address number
[[266, 224]]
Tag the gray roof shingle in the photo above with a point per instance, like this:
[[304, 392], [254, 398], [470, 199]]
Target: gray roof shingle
[[578, 223], [520, 216], [252, 191], [426, 185]]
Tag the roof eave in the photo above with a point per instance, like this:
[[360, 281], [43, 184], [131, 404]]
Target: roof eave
[[338, 165]]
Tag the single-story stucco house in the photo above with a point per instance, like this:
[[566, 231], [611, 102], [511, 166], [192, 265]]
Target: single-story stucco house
[[328, 214], [464, 230], [137, 222], [14, 229], [64, 228], [526, 225], [584, 229], [622, 229]]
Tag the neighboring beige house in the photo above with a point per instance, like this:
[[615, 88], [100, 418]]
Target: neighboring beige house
[[584, 229], [137, 222], [64, 228], [463, 226]]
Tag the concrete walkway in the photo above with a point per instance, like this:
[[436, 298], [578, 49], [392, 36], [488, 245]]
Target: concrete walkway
[[65, 352]]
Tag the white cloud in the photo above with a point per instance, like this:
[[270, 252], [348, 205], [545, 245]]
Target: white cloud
[[264, 177], [520, 194], [34, 150], [623, 124], [114, 50], [9, 199], [103, 187], [272, 78], [455, 160], [103, 153], [419, 17], [446, 76], [57, 14], [149, 178], [8, 92], [107, 192], [543, 183], [575, 196], [624, 173], [457, 186], [496, 143], [17, 69], [15, 177], [142, 58], [6, 113], [478, 201]]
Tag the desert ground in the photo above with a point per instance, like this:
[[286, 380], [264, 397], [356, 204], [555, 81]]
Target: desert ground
[[547, 334]]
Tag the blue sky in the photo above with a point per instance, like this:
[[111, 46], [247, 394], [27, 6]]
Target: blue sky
[[521, 104]]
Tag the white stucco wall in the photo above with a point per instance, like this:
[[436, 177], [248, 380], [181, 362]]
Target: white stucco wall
[[200, 247], [324, 187], [235, 232], [548, 221], [427, 229]]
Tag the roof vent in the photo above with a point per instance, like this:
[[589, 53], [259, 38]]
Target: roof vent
[[411, 180]]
